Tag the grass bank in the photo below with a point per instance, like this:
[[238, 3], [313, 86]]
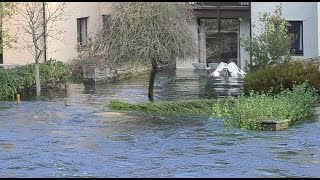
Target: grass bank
[[199, 107]]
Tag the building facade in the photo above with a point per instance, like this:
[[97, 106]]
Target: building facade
[[237, 20]]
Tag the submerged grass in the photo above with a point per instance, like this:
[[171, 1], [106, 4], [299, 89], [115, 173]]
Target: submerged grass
[[199, 107], [244, 112]]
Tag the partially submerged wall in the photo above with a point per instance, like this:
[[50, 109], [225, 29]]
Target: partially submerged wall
[[94, 74]]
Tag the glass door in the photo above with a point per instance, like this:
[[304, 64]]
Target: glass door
[[221, 46]]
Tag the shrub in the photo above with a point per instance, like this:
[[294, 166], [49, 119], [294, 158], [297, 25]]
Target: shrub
[[54, 72], [246, 112], [16, 80], [76, 69], [282, 75], [272, 43]]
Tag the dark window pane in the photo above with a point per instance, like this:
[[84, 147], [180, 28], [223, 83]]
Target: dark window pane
[[78, 30], [105, 23], [223, 46], [296, 30], [82, 31]]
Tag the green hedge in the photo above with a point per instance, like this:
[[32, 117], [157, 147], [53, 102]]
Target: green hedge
[[282, 76], [21, 78]]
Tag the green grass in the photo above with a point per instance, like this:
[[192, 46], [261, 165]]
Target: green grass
[[197, 107]]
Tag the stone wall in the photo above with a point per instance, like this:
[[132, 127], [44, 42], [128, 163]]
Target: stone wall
[[93, 74], [8, 66], [315, 61]]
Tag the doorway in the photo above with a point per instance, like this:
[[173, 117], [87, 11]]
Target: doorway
[[221, 45]]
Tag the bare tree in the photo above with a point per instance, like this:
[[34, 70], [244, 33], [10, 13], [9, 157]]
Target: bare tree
[[39, 21], [145, 33]]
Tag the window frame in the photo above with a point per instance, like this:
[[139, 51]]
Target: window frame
[[106, 27], [299, 52], [80, 37]]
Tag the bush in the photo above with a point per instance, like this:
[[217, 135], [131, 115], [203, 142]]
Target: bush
[[246, 112], [282, 75], [21, 78], [75, 66], [54, 72], [272, 43]]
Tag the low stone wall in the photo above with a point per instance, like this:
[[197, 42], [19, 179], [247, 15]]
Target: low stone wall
[[275, 125], [93, 74], [315, 61], [8, 66]]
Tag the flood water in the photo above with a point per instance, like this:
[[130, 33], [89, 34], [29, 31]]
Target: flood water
[[76, 134]]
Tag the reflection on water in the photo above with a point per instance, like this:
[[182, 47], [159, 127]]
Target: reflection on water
[[72, 134]]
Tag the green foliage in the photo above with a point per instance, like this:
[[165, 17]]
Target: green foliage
[[246, 112], [189, 107], [18, 79], [54, 72], [272, 43], [282, 76], [75, 67], [7, 9]]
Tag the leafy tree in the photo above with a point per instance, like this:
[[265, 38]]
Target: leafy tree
[[272, 43]]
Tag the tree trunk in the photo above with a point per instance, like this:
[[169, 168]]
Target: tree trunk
[[151, 79], [37, 54], [37, 79]]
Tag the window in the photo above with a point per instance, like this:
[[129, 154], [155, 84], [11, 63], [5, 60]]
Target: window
[[82, 31], [296, 28], [105, 23]]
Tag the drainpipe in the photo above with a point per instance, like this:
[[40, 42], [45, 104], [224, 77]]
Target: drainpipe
[[219, 29], [199, 40], [1, 41], [45, 31], [250, 29]]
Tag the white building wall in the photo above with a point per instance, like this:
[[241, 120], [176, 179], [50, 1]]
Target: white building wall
[[64, 50], [20, 52], [294, 11], [318, 23], [188, 63], [244, 33]]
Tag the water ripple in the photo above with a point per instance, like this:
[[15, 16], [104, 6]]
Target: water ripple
[[74, 134]]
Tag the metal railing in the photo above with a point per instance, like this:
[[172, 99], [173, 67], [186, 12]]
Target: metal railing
[[222, 4]]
